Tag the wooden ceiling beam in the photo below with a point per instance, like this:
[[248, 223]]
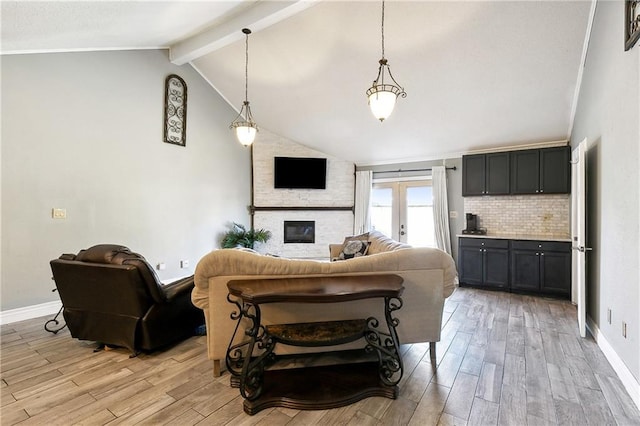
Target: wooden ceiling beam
[[260, 15]]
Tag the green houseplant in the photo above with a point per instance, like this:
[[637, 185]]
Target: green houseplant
[[239, 236]]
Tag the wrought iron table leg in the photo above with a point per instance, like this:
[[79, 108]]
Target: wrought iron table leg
[[386, 345], [247, 371]]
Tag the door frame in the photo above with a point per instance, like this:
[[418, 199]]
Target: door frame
[[578, 234]]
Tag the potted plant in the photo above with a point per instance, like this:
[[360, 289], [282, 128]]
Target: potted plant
[[239, 236]]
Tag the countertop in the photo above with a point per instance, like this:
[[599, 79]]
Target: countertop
[[510, 236]]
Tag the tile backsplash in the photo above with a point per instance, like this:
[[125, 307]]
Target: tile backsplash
[[544, 215]]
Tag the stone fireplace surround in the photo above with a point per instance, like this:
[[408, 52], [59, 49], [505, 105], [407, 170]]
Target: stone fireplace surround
[[331, 209]]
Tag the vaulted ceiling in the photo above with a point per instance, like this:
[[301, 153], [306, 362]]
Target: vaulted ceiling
[[477, 74]]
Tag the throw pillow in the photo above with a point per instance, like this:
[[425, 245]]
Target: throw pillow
[[354, 248], [361, 237]]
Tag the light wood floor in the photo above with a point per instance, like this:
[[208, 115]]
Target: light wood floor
[[503, 359]]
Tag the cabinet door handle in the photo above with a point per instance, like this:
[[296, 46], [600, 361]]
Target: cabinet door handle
[[537, 254], [541, 254]]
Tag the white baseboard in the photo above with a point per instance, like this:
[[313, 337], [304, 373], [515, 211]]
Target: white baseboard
[[29, 312], [628, 380]]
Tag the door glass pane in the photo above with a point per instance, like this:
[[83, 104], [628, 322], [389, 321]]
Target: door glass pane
[[381, 210], [420, 230]]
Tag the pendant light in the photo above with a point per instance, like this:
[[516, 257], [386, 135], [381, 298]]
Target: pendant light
[[244, 125], [382, 95]]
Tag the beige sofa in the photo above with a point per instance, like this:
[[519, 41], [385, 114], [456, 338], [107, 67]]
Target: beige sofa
[[429, 277]]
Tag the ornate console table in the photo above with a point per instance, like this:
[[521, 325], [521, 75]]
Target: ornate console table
[[313, 388]]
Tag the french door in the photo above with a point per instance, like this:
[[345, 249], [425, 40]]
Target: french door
[[403, 210]]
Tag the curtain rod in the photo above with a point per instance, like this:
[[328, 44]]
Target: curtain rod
[[413, 170]]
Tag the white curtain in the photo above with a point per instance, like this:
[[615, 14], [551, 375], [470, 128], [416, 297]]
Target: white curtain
[[362, 210], [441, 208]]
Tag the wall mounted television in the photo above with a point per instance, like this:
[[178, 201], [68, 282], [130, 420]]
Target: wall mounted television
[[300, 173]]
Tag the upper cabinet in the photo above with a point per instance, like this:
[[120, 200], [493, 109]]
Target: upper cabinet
[[531, 171], [525, 171], [541, 171], [485, 174], [555, 170], [473, 175]]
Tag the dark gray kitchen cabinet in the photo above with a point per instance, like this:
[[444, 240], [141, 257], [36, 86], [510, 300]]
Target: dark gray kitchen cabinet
[[473, 174], [555, 170], [533, 267], [525, 269], [541, 267], [485, 174], [484, 262], [497, 173], [525, 172], [538, 171]]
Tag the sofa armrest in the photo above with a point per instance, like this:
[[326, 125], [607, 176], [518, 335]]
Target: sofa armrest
[[177, 288]]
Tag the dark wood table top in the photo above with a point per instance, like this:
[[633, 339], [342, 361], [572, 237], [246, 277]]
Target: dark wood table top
[[324, 289]]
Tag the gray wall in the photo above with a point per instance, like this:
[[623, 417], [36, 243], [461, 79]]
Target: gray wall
[[83, 131], [454, 189], [608, 114]]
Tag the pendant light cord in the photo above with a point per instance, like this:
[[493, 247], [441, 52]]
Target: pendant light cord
[[246, 69], [382, 26]]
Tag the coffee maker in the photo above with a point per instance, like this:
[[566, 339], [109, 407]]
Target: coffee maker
[[472, 225]]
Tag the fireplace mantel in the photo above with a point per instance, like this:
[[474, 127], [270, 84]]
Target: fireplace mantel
[[254, 209]]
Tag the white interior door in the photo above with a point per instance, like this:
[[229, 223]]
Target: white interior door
[[578, 234]]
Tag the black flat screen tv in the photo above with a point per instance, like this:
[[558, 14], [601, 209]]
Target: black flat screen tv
[[300, 173]]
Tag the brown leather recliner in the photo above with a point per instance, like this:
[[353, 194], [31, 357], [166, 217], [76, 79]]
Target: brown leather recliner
[[113, 296]]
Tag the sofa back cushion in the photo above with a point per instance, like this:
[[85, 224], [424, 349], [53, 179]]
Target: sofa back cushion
[[381, 243]]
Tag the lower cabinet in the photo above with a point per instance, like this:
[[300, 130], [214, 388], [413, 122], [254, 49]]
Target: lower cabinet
[[541, 266], [484, 262], [537, 267]]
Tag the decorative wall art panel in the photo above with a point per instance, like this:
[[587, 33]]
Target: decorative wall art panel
[[175, 110], [631, 23]]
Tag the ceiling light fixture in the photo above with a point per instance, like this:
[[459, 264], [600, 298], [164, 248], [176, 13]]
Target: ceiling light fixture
[[382, 96], [244, 125]]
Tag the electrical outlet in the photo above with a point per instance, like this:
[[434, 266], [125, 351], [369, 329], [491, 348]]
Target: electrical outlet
[[609, 315], [184, 264], [58, 213], [161, 266], [453, 214], [624, 329]]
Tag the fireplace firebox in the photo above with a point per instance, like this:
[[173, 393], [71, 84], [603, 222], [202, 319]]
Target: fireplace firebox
[[299, 231]]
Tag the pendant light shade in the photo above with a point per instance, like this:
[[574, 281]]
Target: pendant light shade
[[244, 126], [246, 129], [383, 94]]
